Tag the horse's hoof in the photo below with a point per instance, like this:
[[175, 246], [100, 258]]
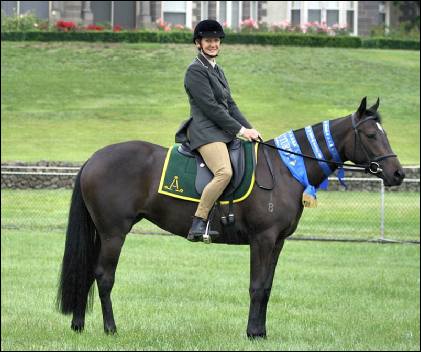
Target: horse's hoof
[[110, 330], [77, 327], [256, 336]]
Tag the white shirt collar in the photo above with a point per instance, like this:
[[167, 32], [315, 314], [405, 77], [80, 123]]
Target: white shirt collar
[[211, 61]]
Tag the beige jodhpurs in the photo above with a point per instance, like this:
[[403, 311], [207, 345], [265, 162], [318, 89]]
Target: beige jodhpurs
[[217, 160]]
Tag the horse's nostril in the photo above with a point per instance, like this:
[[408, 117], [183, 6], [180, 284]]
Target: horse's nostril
[[399, 174]]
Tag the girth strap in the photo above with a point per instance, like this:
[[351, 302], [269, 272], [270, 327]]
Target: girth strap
[[270, 167]]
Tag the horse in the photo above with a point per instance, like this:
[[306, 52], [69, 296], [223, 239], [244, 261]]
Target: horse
[[117, 187]]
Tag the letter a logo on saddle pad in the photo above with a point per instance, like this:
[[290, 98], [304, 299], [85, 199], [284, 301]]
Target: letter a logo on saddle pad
[[174, 186]]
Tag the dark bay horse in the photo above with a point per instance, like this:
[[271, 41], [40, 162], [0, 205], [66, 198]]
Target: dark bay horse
[[117, 187]]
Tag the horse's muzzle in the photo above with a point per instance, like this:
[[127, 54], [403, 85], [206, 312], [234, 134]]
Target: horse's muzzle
[[398, 176], [396, 179]]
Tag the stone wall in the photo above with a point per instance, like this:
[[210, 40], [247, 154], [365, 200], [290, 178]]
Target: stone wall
[[373, 184], [42, 174], [51, 178]]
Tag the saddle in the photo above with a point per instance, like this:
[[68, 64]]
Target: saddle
[[185, 175], [204, 175]]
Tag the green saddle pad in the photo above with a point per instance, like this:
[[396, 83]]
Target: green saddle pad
[[179, 175]]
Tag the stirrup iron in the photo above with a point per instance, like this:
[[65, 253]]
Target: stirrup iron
[[206, 237]]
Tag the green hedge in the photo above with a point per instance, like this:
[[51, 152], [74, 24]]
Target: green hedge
[[293, 39], [386, 43], [232, 38]]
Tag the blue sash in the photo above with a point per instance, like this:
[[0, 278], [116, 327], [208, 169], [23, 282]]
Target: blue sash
[[333, 151], [295, 163], [318, 153]]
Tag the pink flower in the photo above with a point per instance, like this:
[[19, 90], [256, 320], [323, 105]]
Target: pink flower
[[285, 24], [249, 24], [162, 25], [94, 27]]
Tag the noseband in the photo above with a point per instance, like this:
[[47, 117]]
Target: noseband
[[373, 167]]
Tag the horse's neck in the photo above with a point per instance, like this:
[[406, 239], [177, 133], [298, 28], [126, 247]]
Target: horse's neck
[[339, 132]]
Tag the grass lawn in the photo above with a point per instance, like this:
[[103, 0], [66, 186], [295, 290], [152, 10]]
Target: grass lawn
[[351, 215], [171, 294], [63, 101]]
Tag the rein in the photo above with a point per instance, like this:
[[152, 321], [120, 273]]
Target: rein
[[350, 167], [372, 167]]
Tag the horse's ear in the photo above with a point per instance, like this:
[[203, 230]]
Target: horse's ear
[[375, 106], [361, 110]]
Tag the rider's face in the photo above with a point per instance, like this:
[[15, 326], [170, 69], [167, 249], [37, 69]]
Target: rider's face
[[210, 46]]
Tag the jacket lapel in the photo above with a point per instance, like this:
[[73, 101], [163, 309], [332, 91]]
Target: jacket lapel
[[203, 61], [220, 77], [206, 63]]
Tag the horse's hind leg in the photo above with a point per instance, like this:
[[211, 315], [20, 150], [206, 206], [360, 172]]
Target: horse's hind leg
[[104, 274]]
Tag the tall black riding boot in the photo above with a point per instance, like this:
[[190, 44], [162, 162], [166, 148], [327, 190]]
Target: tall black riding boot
[[197, 230]]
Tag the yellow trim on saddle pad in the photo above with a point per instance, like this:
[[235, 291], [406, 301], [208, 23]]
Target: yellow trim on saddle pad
[[175, 187]]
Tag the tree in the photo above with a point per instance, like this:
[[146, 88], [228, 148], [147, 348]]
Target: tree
[[409, 14]]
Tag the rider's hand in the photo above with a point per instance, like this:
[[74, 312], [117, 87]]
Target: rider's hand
[[250, 134]]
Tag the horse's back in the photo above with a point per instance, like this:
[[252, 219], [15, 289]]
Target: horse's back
[[124, 157], [125, 152]]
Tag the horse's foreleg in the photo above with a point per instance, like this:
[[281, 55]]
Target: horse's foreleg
[[105, 273], [264, 254]]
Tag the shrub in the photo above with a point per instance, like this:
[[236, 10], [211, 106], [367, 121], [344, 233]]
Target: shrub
[[94, 27], [285, 26], [403, 31], [65, 26], [117, 28], [249, 25], [315, 28], [390, 43], [162, 25], [340, 30], [24, 22]]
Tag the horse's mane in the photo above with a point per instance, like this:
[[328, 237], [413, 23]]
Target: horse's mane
[[368, 113]]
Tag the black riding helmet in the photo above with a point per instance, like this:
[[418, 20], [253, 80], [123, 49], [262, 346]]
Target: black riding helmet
[[208, 29]]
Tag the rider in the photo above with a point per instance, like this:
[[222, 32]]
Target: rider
[[216, 119]]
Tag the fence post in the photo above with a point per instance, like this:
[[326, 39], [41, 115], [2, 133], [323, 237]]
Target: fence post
[[382, 210]]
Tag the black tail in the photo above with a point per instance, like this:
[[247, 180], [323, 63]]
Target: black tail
[[80, 255]]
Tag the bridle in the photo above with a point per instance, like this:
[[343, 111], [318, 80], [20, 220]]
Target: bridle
[[373, 167]]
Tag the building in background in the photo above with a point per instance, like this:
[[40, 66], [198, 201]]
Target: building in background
[[360, 17]]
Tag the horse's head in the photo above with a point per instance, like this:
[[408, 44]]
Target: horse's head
[[370, 145]]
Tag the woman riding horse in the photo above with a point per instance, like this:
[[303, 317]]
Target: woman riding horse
[[215, 119]]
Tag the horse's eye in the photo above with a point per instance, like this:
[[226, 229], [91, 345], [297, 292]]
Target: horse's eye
[[371, 136]]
